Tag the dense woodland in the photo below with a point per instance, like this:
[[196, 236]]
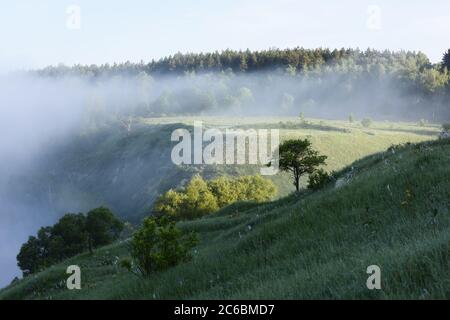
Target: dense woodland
[[322, 83], [297, 60]]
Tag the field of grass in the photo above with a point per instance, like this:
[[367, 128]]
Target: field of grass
[[390, 209], [342, 142]]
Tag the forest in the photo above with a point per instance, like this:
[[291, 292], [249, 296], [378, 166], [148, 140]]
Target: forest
[[393, 85]]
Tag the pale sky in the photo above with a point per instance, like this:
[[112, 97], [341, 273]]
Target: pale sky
[[36, 33]]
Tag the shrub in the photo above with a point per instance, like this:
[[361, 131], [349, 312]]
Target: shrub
[[158, 245], [318, 179], [446, 127], [366, 122]]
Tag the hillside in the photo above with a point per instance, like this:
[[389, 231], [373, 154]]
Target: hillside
[[126, 172], [390, 209]]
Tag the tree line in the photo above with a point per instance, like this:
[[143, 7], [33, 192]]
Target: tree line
[[296, 59], [391, 84], [199, 197], [71, 235]]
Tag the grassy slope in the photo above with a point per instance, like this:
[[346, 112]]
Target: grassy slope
[[341, 141], [393, 211], [104, 166], [126, 173]]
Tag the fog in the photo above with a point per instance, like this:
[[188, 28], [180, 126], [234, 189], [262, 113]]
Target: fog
[[34, 115], [38, 113]]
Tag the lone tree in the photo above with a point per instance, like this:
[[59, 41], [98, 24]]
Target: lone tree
[[297, 157], [446, 60]]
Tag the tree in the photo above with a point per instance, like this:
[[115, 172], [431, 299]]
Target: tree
[[298, 157], [170, 203], [301, 117], [446, 60], [72, 233], [29, 257], [291, 70], [351, 118], [432, 80], [126, 124], [254, 188], [366, 122], [243, 64], [199, 199], [159, 245], [287, 101], [224, 190], [52, 246], [102, 227], [245, 95]]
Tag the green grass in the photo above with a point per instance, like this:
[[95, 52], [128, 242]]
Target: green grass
[[341, 141], [391, 210]]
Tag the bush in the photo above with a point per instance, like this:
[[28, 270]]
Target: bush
[[318, 179], [366, 122], [446, 127], [158, 245]]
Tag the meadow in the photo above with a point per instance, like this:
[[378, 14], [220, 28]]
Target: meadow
[[343, 142]]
